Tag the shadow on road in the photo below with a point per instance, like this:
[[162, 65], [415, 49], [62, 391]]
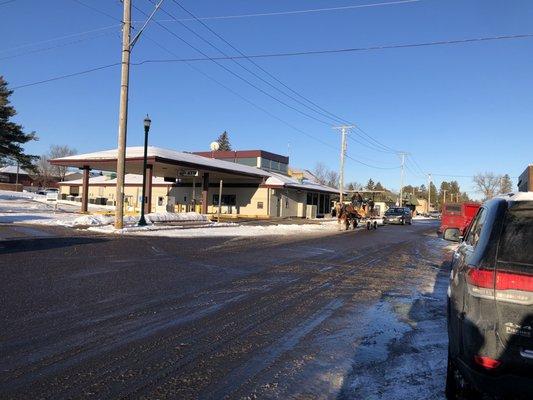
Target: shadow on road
[[39, 244]]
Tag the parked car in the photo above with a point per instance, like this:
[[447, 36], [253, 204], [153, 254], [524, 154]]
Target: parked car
[[398, 215], [490, 302], [434, 214], [457, 215]]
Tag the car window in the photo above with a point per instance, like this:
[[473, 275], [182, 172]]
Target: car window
[[517, 237], [477, 225]]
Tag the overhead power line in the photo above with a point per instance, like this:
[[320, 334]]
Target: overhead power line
[[150, 61], [81, 3], [72, 35], [296, 12], [347, 50], [261, 108], [306, 101]]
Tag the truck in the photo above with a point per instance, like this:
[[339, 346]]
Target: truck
[[457, 215]]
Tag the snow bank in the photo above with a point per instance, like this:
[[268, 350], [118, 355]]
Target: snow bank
[[175, 217]]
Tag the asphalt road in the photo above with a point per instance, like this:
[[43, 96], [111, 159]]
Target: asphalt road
[[352, 315]]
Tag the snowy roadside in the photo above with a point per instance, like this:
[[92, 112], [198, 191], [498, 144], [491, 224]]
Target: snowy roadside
[[30, 208]]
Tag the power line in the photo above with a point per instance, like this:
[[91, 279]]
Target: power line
[[327, 144], [346, 50], [59, 45], [320, 111], [185, 60], [59, 38], [97, 10], [235, 74], [56, 78], [295, 12]]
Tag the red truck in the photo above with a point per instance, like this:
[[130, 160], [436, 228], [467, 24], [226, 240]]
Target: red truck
[[457, 215]]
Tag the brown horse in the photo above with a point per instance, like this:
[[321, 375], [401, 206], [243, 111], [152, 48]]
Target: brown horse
[[347, 214]]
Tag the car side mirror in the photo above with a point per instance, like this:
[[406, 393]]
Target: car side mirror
[[453, 235]]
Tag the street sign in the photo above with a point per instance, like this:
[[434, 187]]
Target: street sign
[[188, 172]]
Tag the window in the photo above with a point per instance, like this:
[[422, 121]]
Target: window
[[259, 205], [160, 200], [227, 200], [453, 209], [477, 226], [517, 236]]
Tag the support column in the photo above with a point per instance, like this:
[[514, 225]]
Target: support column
[[149, 178], [85, 190], [205, 188]]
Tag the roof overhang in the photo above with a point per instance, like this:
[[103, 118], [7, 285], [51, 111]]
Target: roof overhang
[[168, 164]]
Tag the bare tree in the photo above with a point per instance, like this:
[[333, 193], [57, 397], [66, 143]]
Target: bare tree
[[326, 176], [487, 184], [506, 184], [58, 151], [44, 176]]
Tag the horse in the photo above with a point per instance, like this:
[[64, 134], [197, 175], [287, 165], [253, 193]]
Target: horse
[[347, 214]]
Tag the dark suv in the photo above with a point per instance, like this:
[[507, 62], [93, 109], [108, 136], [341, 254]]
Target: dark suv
[[398, 215], [490, 302]]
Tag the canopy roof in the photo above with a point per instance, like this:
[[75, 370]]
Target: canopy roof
[[165, 162], [276, 180]]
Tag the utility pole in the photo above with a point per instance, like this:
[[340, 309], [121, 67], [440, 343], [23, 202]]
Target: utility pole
[[344, 130], [402, 155], [429, 192], [123, 114], [444, 190], [17, 176]]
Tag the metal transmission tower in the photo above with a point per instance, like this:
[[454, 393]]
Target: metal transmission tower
[[344, 131]]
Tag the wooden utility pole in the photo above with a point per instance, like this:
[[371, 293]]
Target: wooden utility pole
[[344, 131], [123, 114], [402, 155], [429, 192]]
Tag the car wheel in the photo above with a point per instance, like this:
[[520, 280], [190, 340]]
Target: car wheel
[[402, 221], [456, 386]]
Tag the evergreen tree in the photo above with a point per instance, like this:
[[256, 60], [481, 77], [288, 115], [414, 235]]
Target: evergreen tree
[[370, 184], [506, 185], [223, 142], [12, 135], [379, 186]]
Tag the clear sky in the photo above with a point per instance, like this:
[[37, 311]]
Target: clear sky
[[458, 109]]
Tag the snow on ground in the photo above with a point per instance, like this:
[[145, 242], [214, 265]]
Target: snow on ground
[[222, 229], [30, 208]]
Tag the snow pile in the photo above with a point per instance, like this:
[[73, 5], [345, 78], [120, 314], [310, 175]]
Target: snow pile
[[87, 220], [214, 229], [175, 217]]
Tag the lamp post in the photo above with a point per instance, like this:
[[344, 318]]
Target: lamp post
[[147, 122]]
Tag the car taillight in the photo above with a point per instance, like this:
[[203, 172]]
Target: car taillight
[[487, 362], [510, 281], [500, 285]]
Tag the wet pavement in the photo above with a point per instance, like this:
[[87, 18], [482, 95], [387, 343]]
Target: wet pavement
[[353, 315]]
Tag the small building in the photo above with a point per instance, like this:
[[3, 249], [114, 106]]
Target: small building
[[525, 180], [14, 174]]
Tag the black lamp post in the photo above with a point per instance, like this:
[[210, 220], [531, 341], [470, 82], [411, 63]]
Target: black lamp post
[[147, 122]]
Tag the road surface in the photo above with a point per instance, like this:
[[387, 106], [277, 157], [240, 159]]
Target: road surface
[[355, 315]]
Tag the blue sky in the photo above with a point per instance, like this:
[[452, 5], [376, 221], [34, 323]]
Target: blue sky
[[458, 109]]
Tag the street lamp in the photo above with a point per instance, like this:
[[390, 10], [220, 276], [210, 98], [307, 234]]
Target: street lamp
[[147, 122]]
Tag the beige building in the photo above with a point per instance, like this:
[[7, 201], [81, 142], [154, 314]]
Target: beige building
[[186, 182]]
